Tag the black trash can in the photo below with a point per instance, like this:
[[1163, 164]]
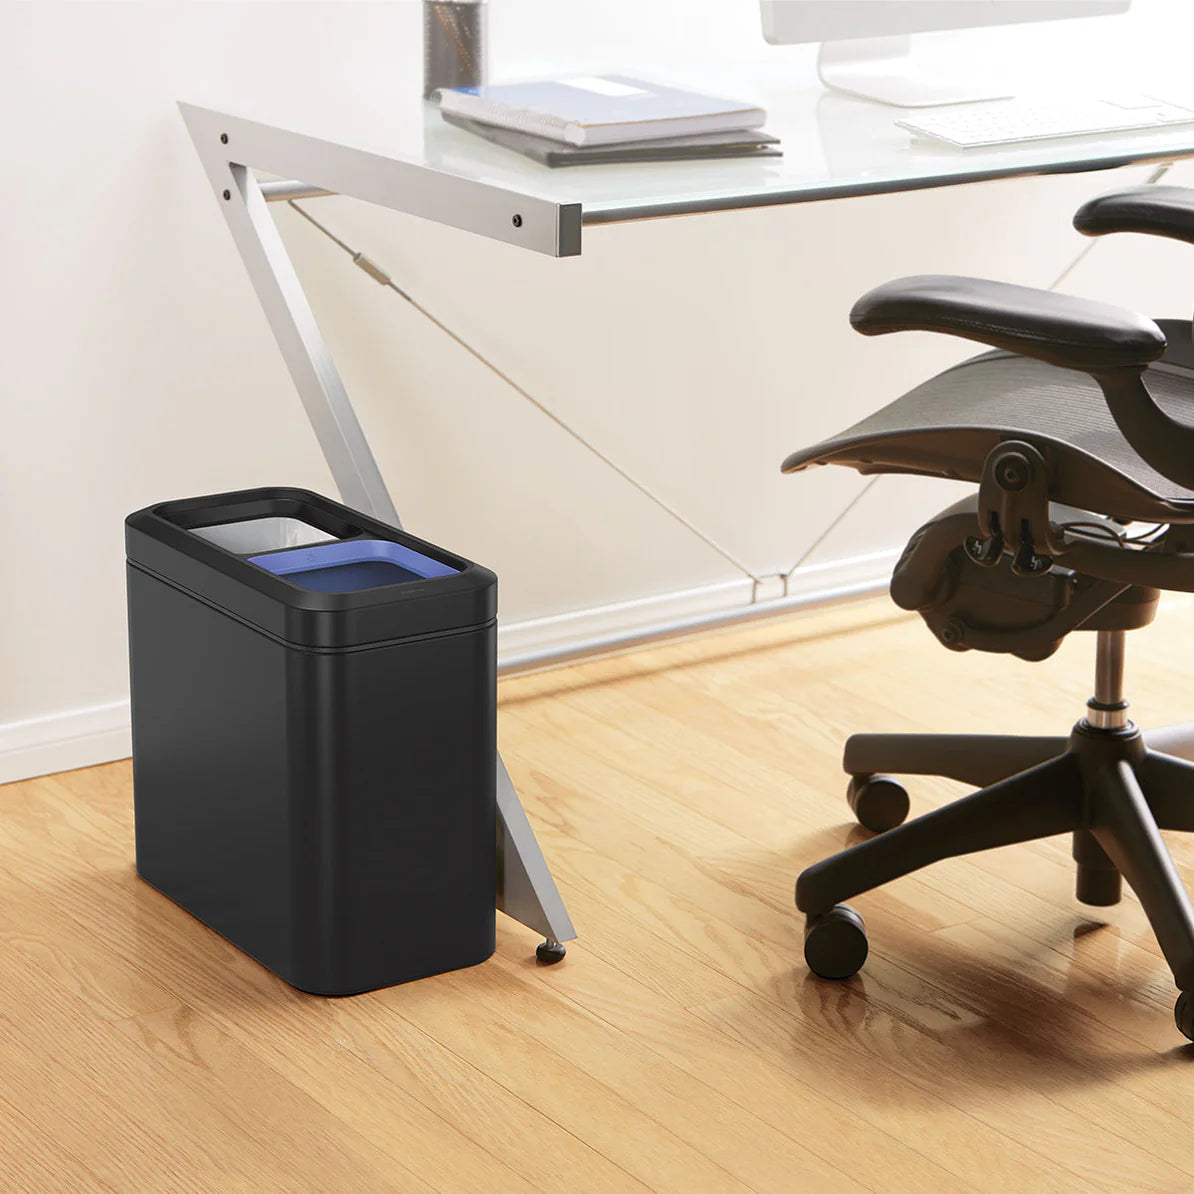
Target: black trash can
[[314, 735]]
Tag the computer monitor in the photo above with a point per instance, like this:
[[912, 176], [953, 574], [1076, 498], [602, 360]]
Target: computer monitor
[[865, 44]]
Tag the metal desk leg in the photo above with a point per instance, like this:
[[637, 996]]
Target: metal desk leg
[[526, 890]]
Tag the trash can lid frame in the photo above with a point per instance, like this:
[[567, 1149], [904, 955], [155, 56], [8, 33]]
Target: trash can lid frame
[[160, 539]]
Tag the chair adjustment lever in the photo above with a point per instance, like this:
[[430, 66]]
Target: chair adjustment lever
[[1013, 510], [987, 551]]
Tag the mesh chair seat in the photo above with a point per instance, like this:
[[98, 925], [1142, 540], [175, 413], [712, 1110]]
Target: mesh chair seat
[[946, 427]]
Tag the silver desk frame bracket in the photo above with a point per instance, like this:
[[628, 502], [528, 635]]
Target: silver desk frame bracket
[[230, 149]]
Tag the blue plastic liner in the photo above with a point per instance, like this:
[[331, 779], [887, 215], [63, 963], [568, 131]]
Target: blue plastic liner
[[352, 565]]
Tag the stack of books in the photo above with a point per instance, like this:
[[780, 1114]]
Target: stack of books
[[608, 118]]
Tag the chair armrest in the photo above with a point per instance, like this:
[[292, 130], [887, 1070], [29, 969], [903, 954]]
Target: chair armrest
[[1073, 333], [1161, 211]]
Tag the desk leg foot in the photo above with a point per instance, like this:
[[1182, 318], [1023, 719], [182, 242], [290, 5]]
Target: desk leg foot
[[550, 951]]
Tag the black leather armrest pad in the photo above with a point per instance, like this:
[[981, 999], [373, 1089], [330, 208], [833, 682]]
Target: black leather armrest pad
[[1059, 329], [1162, 211]]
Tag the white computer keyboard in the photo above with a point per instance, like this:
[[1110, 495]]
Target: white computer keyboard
[[1013, 121]]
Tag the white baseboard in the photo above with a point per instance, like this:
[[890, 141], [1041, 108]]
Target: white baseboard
[[559, 630], [63, 741], [99, 734], [542, 638]]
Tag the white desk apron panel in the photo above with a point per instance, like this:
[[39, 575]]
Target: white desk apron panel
[[833, 147]]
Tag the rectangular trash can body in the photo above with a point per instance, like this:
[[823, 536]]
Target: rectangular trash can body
[[314, 737]]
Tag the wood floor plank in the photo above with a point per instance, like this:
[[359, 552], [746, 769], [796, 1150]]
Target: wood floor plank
[[31, 1159], [131, 1121], [793, 1105], [1031, 1142], [720, 1145]]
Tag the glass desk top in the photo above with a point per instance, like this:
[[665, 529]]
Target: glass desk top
[[833, 145]]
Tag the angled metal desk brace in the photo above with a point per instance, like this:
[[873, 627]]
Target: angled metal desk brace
[[230, 149]]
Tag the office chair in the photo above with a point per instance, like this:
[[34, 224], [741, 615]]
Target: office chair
[[1079, 424]]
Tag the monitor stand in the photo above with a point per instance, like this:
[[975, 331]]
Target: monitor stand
[[878, 69]]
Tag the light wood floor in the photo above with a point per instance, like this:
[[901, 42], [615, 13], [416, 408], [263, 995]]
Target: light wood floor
[[1000, 1038]]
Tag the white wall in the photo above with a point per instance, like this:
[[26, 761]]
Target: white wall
[[135, 365]]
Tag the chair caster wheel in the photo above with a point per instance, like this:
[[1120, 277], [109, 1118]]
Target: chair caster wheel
[[1183, 1015], [835, 942], [550, 952], [878, 801]]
